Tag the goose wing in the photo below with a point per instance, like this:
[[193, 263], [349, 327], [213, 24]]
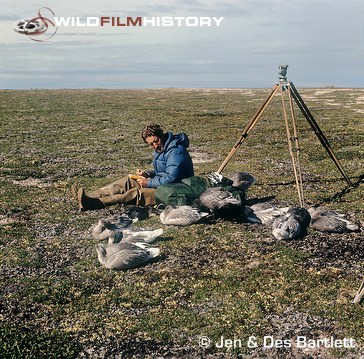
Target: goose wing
[[331, 221], [267, 213], [148, 236], [127, 258], [329, 224], [181, 216], [217, 198]]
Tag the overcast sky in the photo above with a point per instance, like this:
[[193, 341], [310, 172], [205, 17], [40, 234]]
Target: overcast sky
[[322, 41]]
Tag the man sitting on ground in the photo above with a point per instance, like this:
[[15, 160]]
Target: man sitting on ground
[[171, 164]]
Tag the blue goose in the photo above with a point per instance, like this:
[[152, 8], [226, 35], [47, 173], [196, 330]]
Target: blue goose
[[115, 232], [125, 255], [242, 180], [220, 202], [105, 229], [181, 215], [301, 214], [286, 227], [292, 224], [325, 220]]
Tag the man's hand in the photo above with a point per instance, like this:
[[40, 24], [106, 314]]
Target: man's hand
[[143, 173], [142, 181]]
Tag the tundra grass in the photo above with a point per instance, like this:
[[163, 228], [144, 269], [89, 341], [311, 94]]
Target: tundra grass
[[223, 280]]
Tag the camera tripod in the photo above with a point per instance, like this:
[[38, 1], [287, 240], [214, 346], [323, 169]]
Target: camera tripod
[[289, 91]]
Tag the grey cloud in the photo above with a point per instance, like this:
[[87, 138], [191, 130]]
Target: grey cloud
[[255, 38]]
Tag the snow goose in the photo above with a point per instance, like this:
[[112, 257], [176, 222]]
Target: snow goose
[[125, 255]]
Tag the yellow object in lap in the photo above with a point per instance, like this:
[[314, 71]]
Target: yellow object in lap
[[135, 177]]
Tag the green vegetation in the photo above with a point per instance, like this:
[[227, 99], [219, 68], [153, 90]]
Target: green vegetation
[[225, 279]]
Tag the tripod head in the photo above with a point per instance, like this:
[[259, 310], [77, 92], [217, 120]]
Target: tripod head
[[282, 74]]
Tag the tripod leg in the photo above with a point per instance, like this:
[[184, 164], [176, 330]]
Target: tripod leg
[[293, 152], [248, 127], [316, 129], [297, 149]]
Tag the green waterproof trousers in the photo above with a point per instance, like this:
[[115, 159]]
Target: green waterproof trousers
[[125, 190]]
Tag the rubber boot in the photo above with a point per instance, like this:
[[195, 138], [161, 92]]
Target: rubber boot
[[147, 197], [88, 203]]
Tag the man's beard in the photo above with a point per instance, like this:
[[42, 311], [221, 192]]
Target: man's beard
[[159, 149]]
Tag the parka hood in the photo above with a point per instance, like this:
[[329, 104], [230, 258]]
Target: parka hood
[[176, 140]]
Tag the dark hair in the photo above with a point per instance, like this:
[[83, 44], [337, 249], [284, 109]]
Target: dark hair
[[152, 130]]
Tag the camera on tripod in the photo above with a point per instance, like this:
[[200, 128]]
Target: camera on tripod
[[282, 73]]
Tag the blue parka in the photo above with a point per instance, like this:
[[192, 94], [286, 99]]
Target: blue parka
[[172, 164]]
